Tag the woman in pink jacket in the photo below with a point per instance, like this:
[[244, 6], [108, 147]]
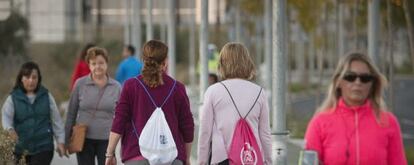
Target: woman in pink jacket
[[353, 125]]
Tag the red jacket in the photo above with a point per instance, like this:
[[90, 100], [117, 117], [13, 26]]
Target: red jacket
[[81, 69], [348, 136]]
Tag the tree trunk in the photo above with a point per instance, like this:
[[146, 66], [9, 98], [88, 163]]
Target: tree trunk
[[98, 35], [354, 25], [410, 31], [238, 21], [390, 55], [127, 34], [340, 28], [322, 54], [218, 14]]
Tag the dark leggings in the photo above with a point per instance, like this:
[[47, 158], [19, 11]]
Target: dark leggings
[[92, 148], [42, 158], [225, 162]]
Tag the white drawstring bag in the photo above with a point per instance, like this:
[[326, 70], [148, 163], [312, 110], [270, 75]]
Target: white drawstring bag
[[156, 142]]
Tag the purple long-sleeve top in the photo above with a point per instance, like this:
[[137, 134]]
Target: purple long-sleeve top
[[135, 106]]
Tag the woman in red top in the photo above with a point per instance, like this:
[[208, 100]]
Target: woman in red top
[[353, 125], [81, 67]]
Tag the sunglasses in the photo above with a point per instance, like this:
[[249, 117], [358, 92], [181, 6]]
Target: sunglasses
[[364, 78]]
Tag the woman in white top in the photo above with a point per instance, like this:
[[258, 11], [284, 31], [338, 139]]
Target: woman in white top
[[218, 115]]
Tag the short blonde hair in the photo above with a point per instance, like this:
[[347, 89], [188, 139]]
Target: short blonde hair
[[94, 52], [376, 93], [235, 62]]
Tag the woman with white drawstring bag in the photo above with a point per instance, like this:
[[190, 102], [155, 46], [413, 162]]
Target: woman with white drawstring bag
[[152, 116]]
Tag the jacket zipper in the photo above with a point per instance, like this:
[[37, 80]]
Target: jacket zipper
[[357, 137]]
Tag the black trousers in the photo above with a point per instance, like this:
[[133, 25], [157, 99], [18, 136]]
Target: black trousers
[[42, 158], [92, 148], [224, 162]]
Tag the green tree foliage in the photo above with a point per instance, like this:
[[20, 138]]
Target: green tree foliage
[[397, 13], [14, 33], [309, 13], [255, 8]]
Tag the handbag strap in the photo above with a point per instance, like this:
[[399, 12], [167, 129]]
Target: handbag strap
[[101, 93]]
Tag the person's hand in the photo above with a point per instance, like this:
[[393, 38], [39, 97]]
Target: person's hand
[[62, 151], [110, 160], [188, 162], [13, 134]]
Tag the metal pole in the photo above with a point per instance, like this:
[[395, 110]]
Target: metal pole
[[373, 25], [279, 131], [127, 39], [203, 49], [149, 20], [136, 26], [171, 37], [192, 51], [98, 26], [163, 29], [72, 17], [268, 44]]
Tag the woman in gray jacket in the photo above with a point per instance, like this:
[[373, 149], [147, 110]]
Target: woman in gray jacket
[[92, 102]]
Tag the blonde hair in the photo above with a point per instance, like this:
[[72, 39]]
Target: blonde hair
[[235, 62], [375, 95], [94, 52], [154, 54]]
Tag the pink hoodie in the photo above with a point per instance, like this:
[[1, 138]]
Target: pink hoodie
[[353, 136]]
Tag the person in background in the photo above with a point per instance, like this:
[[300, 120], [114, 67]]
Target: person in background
[[353, 126], [212, 79], [129, 67], [92, 102], [81, 66], [32, 118], [135, 107], [218, 115]]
